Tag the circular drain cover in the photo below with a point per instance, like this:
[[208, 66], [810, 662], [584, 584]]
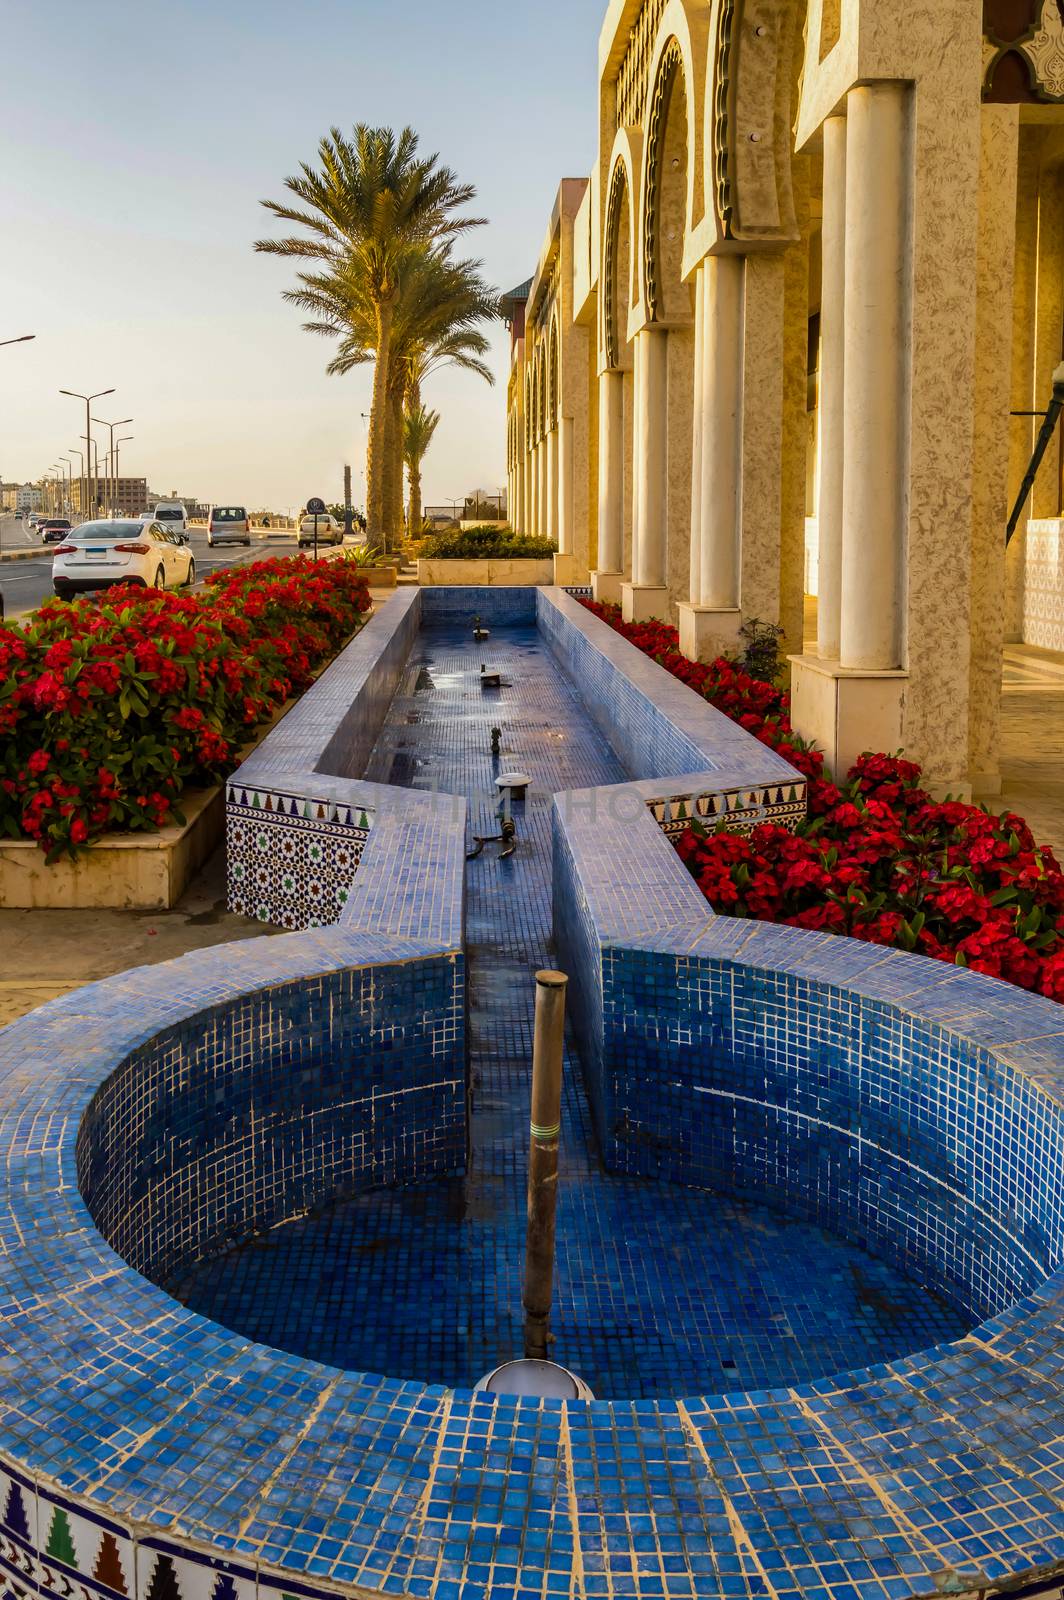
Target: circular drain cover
[[543, 1379]]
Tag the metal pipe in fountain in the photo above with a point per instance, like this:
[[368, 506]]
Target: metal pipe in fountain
[[547, 1046]]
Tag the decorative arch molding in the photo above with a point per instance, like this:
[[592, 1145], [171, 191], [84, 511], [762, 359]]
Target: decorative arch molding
[[681, 49], [621, 207], [668, 77], [1023, 51], [541, 398], [749, 120], [553, 376]]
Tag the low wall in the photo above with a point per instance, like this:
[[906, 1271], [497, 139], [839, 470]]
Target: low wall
[[696, 761], [501, 573], [298, 815], [130, 871]]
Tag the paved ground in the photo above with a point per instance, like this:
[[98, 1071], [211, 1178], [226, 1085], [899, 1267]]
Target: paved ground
[[26, 583], [1032, 740], [660, 1289]]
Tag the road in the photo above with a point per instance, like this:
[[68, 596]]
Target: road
[[26, 584]]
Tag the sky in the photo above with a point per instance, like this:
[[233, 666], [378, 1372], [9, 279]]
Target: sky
[[139, 137]]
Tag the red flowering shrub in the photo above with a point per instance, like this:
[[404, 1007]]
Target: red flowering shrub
[[876, 858], [110, 706]]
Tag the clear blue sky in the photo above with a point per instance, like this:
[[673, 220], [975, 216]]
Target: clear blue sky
[[139, 138]]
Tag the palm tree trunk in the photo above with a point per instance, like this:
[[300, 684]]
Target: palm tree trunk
[[393, 467], [413, 520], [412, 404], [375, 459]]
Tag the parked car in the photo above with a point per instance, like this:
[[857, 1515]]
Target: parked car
[[53, 530], [120, 550], [329, 530], [228, 525], [172, 515]]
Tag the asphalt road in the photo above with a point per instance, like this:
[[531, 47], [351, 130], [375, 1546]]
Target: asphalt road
[[26, 584]]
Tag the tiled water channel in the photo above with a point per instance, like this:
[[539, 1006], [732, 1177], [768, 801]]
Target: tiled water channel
[[660, 1290]]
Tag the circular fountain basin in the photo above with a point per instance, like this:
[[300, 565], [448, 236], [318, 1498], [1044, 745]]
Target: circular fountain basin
[[147, 1450]]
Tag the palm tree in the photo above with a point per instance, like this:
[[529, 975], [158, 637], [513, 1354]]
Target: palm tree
[[419, 425], [370, 203], [438, 304]]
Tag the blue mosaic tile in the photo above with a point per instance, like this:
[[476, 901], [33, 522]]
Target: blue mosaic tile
[[873, 1094]]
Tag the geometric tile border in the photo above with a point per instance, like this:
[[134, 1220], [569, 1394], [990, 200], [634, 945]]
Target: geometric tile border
[[290, 860], [740, 810]]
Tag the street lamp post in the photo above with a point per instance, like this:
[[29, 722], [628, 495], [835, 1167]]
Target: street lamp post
[[123, 440], [21, 339], [112, 490], [83, 490], [69, 502], [88, 399]]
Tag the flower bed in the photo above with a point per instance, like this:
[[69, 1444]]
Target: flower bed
[[878, 858], [111, 706]]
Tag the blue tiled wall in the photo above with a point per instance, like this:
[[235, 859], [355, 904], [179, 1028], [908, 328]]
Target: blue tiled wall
[[655, 724], [256, 1110], [740, 1068], [496, 607]]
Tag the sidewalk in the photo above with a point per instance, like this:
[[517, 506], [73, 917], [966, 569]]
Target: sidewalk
[[1032, 741]]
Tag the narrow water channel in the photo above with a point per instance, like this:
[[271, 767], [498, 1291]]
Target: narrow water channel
[[660, 1290]]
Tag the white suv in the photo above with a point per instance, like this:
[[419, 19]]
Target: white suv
[[172, 515]]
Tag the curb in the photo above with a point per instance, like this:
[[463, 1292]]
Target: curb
[[23, 555]]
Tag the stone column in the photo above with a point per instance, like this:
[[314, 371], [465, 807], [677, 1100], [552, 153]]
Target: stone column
[[832, 408], [858, 702], [994, 291], [694, 592], [647, 594], [606, 579], [567, 567], [710, 622], [875, 358], [550, 448]]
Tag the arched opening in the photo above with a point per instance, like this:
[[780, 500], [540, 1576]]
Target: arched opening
[[618, 286], [670, 302]]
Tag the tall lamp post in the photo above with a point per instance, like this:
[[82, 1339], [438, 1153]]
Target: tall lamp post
[[88, 399], [112, 488], [74, 451], [114, 464], [22, 338], [69, 503]]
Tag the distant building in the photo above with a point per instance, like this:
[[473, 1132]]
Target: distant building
[[27, 498], [8, 496], [129, 498]]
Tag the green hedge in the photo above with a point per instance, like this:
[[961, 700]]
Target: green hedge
[[485, 544]]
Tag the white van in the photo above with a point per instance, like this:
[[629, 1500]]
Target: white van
[[173, 516]]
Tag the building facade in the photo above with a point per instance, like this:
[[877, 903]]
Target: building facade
[[125, 496], [772, 345]]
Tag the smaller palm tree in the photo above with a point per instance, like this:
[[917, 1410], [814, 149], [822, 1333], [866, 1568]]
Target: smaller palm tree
[[419, 425]]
